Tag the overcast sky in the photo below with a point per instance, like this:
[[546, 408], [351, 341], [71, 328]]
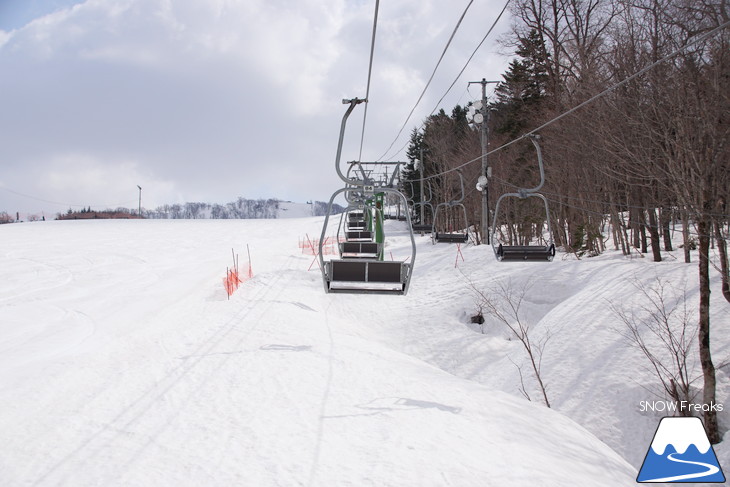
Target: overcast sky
[[210, 100]]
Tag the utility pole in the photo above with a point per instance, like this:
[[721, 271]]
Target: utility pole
[[420, 169], [486, 173], [139, 208]]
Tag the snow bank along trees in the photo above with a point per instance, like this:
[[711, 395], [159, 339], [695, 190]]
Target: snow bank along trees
[[643, 158]]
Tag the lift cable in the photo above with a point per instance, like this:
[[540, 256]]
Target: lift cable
[[370, 72], [458, 24], [70, 205], [559, 199], [590, 100], [494, 24]]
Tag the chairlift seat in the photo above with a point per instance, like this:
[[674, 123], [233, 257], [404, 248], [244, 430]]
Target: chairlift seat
[[356, 226], [367, 276], [419, 227], [357, 236], [359, 250], [510, 253], [452, 237]]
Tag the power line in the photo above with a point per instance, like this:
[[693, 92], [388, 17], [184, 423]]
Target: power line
[[603, 215], [590, 100], [60, 203], [370, 72], [597, 202], [494, 24], [583, 209], [429, 81], [621, 83]]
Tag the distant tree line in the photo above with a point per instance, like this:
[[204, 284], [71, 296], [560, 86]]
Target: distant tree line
[[89, 214], [242, 208]]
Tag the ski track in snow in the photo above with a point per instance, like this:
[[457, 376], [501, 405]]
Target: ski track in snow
[[126, 365], [89, 450]]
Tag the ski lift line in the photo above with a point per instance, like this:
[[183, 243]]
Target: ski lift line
[[608, 203], [370, 72], [697, 40], [597, 213], [628, 221], [428, 83], [494, 24], [461, 97], [460, 73]]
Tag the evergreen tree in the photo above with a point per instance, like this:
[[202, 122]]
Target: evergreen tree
[[524, 88], [410, 184]]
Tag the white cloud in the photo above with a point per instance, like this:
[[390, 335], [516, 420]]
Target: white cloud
[[100, 183], [216, 99], [4, 37]]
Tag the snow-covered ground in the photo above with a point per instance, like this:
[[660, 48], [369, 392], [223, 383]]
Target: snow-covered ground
[[122, 362], [289, 209]]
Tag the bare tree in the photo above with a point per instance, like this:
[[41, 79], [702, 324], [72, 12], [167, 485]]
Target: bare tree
[[662, 329], [503, 303]]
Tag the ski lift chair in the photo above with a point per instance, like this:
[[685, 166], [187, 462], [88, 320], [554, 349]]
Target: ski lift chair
[[356, 221], [427, 209], [521, 253], [359, 271], [454, 207], [359, 250], [363, 276]]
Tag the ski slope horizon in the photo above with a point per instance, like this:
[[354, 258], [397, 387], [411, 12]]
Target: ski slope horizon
[[124, 363]]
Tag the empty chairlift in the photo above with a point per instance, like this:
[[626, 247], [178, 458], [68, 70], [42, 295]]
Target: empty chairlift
[[356, 221], [358, 226], [361, 273], [360, 250], [359, 270], [424, 210], [544, 253], [453, 219]]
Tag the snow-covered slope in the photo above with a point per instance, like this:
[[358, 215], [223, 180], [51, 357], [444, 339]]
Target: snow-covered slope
[[123, 363], [288, 209]]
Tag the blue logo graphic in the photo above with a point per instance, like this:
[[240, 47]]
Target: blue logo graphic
[[680, 452]]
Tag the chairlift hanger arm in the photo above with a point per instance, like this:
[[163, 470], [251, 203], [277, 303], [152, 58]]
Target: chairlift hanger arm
[[396, 173], [461, 184], [534, 138], [430, 191], [353, 102]]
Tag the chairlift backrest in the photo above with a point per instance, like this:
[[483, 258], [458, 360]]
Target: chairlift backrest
[[446, 236], [366, 275], [525, 252]]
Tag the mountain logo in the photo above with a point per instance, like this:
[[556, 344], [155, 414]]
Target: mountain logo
[[680, 452]]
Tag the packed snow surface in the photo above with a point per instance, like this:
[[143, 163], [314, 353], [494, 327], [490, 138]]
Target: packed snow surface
[[123, 362]]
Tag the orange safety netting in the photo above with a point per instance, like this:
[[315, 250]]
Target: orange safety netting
[[311, 246], [235, 278]]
